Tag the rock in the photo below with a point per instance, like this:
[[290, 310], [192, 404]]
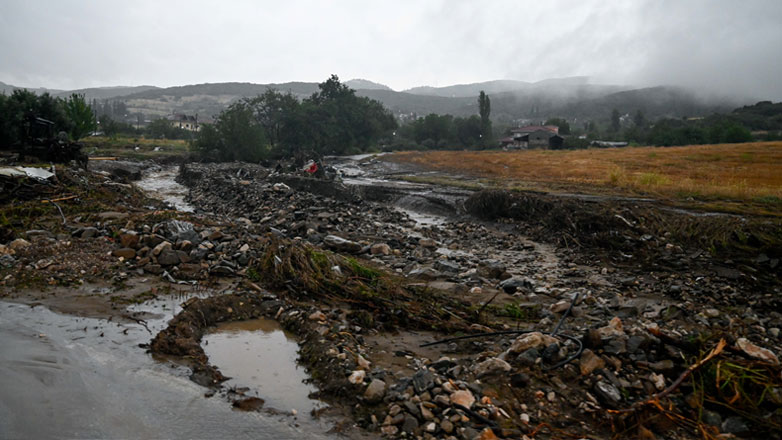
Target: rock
[[380, 249], [528, 357], [614, 328], [491, 269], [446, 426], [514, 284], [590, 362], [410, 424], [19, 244], [375, 391], [112, 215], [608, 394], [559, 307], [160, 248], [129, 239], [362, 363], [168, 257], [89, 232], [317, 316], [476, 290], [711, 417], [663, 365], [340, 244], [530, 340], [756, 352], [447, 266], [389, 430], [153, 269], [463, 398], [519, 380], [426, 413], [735, 425], [6, 250], [126, 253], [357, 377], [424, 273], [423, 380], [711, 313], [488, 434], [38, 233], [491, 366], [427, 243]]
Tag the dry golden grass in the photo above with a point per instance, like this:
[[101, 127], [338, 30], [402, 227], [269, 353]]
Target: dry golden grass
[[743, 172]]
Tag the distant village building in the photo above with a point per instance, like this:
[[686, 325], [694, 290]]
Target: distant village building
[[185, 122], [533, 136]]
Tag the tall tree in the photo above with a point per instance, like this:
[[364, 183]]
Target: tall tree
[[615, 121], [81, 116], [484, 109]]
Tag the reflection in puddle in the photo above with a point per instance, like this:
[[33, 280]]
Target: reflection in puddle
[[259, 355]]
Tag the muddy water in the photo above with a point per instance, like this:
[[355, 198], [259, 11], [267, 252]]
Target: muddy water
[[161, 184], [259, 355], [69, 377]]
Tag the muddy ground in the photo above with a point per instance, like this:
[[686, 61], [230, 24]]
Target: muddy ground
[[559, 316]]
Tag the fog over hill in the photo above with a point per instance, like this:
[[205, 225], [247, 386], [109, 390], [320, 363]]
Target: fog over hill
[[511, 100]]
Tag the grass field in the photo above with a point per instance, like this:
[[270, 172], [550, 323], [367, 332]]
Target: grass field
[[134, 148], [725, 174]]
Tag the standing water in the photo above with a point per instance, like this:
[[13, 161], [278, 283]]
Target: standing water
[[259, 355]]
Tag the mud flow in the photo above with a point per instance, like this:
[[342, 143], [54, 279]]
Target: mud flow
[[259, 355]]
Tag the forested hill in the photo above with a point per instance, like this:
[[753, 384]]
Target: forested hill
[[510, 100]]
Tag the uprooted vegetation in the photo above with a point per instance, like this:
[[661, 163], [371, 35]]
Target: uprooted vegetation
[[381, 298]]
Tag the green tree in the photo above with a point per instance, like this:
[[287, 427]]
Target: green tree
[[639, 119], [615, 121], [468, 130], [433, 129], [81, 116], [564, 126], [484, 110]]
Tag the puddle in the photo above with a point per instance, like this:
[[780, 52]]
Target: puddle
[[88, 378], [259, 355], [161, 184]]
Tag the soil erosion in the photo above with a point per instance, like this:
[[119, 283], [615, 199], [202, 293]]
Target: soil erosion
[[420, 310]]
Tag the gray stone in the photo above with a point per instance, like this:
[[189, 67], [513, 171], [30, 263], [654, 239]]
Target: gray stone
[[423, 380], [447, 266], [410, 424], [89, 232], [340, 244], [514, 284], [608, 394], [168, 257], [491, 269], [735, 425]]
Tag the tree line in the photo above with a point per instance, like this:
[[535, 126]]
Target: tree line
[[18, 113], [273, 125]]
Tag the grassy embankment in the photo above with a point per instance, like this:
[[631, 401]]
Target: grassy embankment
[[726, 177], [135, 148]]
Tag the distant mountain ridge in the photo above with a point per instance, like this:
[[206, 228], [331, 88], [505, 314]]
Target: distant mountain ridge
[[511, 100]]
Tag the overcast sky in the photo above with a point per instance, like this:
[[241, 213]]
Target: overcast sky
[[727, 47]]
